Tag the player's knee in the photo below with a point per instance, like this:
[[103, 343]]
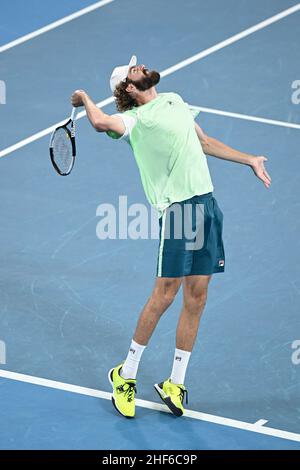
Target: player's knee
[[196, 300], [166, 294], [168, 298]]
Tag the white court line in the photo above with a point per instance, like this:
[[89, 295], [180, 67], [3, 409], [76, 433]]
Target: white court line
[[246, 117], [256, 427], [169, 71], [261, 422], [54, 25]]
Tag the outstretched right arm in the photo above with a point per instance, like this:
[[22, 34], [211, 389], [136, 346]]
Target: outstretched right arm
[[100, 121]]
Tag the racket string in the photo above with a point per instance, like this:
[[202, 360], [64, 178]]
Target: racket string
[[62, 150]]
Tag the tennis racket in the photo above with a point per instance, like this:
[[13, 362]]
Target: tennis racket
[[62, 146]]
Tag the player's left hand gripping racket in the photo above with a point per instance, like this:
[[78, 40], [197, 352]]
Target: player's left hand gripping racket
[[62, 146]]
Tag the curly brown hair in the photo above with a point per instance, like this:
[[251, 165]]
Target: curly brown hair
[[123, 100]]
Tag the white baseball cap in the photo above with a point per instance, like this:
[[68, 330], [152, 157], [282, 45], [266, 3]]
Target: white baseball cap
[[120, 73]]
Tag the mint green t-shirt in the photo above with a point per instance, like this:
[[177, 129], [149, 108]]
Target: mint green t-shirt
[[167, 150]]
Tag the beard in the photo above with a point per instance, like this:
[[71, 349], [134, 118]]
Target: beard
[[150, 79]]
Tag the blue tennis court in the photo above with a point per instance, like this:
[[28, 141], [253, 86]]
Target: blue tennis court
[[69, 301]]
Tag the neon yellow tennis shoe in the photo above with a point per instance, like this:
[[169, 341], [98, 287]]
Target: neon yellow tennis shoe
[[123, 392], [172, 395]]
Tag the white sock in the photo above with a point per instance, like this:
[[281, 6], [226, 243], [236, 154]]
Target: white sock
[[180, 363], [131, 364]]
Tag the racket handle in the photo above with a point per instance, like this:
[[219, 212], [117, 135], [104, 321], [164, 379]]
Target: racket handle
[[73, 114]]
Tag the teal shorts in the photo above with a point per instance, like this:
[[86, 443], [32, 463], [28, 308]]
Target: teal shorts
[[190, 240]]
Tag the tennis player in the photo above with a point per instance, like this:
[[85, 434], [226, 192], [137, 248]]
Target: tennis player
[[169, 148]]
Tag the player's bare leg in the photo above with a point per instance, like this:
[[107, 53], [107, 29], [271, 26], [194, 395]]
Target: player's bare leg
[[163, 294], [194, 299]]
